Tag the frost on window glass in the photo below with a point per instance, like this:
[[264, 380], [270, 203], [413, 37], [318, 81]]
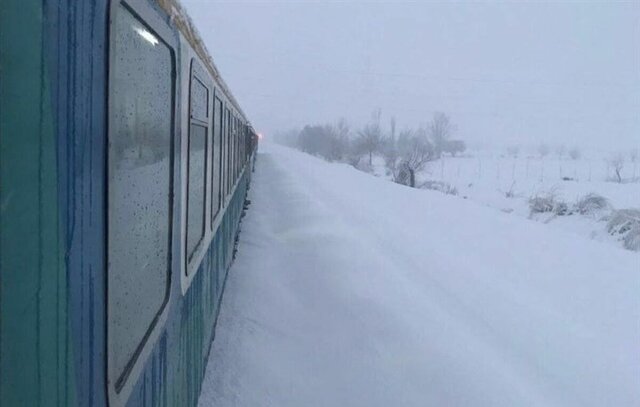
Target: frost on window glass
[[140, 171]]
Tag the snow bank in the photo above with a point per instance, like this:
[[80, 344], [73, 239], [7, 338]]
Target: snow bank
[[350, 290]]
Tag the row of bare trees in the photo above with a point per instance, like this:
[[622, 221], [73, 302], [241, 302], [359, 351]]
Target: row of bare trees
[[561, 151], [405, 152], [544, 150], [615, 161]]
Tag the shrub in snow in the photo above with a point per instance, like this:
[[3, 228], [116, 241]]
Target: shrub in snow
[[632, 239], [561, 209], [626, 222], [510, 193], [443, 187], [591, 203], [623, 220], [548, 203], [539, 204]]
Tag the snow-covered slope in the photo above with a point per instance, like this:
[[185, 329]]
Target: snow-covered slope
[[350, 290]]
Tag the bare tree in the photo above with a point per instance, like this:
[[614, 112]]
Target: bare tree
[[560, 150], [327, 141], [513, 151], [543, 150], [342, 127], [415, 151], [311, 140], [371, 136], [392, 125], [389, 152], [355, 151], [440, 130], [575, 153], [617, 163], [633, 155], [338, 140], [454, 147]]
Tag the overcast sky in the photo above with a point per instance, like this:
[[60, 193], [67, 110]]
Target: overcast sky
[[506, 72]]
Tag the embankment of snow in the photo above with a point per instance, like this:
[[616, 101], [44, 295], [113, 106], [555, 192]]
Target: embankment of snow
[[349, 290]]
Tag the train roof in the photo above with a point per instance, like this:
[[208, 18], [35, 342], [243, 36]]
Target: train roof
[[183, 22]]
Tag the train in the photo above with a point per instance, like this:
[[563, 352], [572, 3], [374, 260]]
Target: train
[[125, 162]]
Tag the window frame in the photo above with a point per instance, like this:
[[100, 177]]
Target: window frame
[[234, 132], [120, 384], [217, 120], [229, 132], [237, 144], [197, 72]]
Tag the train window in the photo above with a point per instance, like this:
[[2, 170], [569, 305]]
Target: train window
[[230, 153], [240, 138], [233, 151], [241, 142], [197, 164], [229, 140], [244, 144], [140, 162], [199, 99], [216, 192], [235, 146], [225, 138]]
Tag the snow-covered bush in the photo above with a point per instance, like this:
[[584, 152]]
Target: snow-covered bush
[[510, 193], [440, 186], [632, 239], [626, 222], [548, 203], [623, 220], [591, 204], [561, 209]]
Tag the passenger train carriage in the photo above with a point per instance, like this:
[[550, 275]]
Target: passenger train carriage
[[124, 166]]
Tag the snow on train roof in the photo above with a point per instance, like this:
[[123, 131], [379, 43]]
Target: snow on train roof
[[183, 22]]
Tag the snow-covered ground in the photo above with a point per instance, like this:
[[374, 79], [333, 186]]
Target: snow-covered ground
[[507, 183], [350, 290]]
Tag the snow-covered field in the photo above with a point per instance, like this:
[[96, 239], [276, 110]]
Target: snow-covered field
[[507, 183], [350, 290]]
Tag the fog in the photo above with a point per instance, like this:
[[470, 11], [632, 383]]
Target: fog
[[505, 72]]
